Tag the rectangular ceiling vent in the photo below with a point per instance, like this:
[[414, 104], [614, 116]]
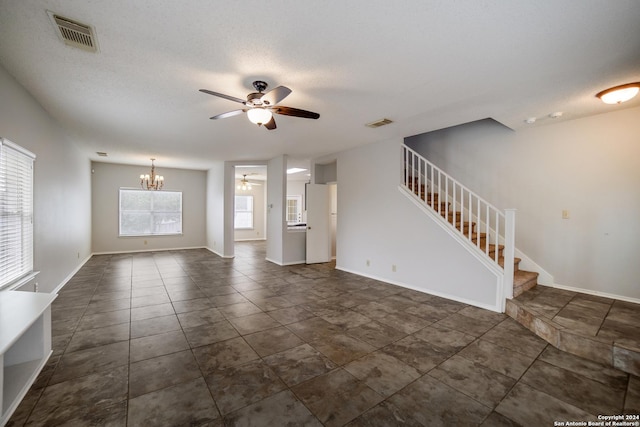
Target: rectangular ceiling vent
[[74, 33], [378, 123]]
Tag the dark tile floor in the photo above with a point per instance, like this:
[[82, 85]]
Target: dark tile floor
[[187, 338]]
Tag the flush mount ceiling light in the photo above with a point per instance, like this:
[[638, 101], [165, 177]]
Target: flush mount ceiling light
[[152, 181], [619, 94], [294, 170]]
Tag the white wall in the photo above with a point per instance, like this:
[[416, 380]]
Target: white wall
[[258, 232], [333, 189], [108, 178], [276, 224], [215, 209], [589, 166], [378, 223], [62, 185]]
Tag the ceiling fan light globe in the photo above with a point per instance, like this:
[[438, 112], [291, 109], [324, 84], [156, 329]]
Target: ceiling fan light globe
[[259, 115]]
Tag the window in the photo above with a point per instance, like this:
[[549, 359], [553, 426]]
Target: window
[[294, 209], [149, 213], [243, 213], [16, 213]]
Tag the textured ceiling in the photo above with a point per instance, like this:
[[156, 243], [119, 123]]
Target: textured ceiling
[[424, 64]]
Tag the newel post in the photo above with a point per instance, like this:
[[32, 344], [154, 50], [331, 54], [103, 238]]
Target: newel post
[[509, 251]]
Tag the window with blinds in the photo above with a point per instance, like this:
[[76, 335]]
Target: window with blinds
[[16, 213], [149, 213], [243, 213]]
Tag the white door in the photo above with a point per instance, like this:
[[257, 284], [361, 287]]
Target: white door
[[318, 223]]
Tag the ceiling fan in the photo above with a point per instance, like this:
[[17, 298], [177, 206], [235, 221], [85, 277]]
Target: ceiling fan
[[245, 184], [261, 106]]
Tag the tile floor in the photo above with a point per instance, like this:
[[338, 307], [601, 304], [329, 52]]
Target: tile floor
[[185, 338]]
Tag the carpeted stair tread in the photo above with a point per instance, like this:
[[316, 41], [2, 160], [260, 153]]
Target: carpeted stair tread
[[523, 281]]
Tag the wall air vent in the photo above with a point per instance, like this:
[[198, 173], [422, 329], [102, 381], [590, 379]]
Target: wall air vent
[[74, 33], [378, 123]]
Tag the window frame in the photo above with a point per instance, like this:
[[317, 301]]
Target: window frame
[[17, 211], [236, 211], [151, 211]]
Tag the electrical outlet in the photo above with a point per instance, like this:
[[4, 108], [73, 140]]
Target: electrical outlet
[[368, 263], [565, 214], [78, 255], [145, 242], [35, 287], [393, 268]]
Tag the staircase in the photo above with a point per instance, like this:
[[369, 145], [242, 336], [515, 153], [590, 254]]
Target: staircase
[[522, 280], [484, 227]]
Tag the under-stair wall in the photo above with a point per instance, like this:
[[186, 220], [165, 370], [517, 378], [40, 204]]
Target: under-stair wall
[[379, 224], [476, 224]]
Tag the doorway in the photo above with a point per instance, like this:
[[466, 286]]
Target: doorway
[[322, 214], [250, 201]]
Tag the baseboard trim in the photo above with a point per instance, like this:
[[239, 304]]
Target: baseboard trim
[[284, 264], [218, 253], [425, 291], [591, 292], [147, 250], [70, 275]]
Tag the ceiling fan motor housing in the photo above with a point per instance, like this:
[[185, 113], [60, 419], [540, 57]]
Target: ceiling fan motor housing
[[260, 85], [254, 99]]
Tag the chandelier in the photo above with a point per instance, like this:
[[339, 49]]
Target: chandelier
[[244, 184], [152, 181]]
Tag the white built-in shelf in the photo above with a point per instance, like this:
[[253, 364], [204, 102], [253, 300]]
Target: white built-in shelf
[[25, 344]]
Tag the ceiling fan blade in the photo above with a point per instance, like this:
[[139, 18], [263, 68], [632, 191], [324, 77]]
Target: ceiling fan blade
[[222, 95], [271, 124], [275, 95], [296, 112], [228, 114]]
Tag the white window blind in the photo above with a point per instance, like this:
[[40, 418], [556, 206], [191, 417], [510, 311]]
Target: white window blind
[[16, 212]]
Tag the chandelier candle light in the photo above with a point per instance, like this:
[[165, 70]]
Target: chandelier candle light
[[153, 181]]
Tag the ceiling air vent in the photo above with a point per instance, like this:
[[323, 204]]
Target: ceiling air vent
[[379, 123], [74, 33]]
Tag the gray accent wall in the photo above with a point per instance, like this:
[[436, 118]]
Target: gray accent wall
[[62, 185], [108, 178]]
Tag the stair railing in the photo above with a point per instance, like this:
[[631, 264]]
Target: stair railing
[[484, 227]]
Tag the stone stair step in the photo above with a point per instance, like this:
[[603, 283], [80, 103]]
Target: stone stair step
[[622, 354]]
